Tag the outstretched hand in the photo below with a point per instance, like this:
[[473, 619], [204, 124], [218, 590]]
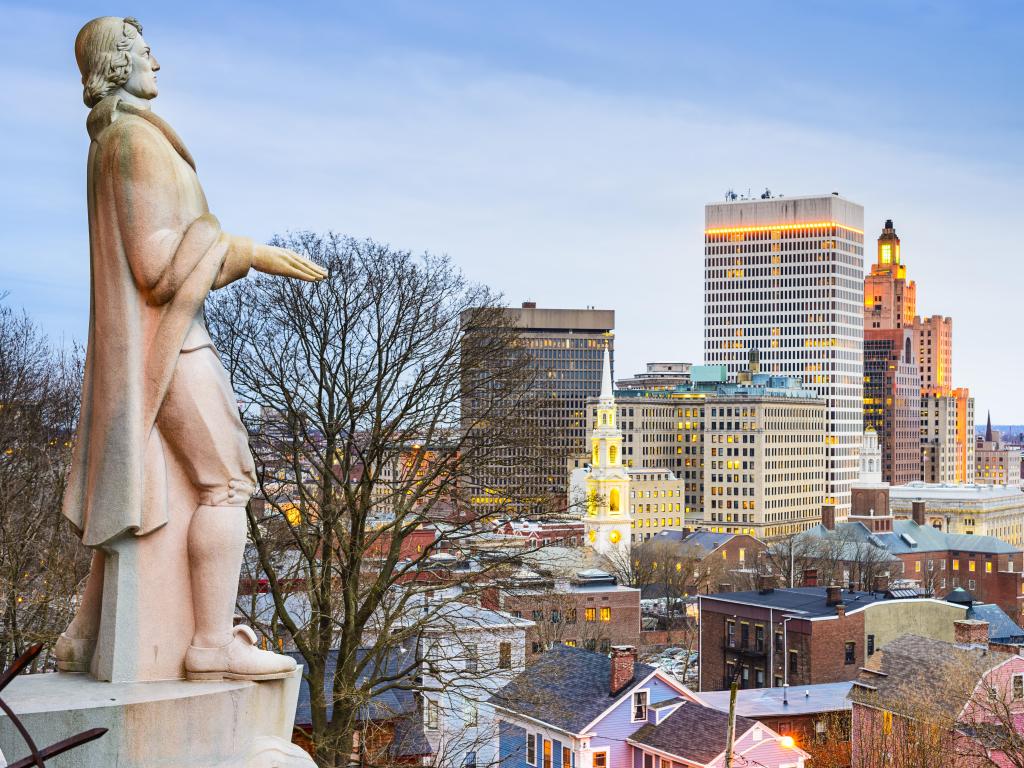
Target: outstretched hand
[[280, 261]]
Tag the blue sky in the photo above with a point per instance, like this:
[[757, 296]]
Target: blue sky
[[560, 152]]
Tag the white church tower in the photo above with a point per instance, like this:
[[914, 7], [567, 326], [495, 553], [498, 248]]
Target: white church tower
[[870, 458], [607, 519]]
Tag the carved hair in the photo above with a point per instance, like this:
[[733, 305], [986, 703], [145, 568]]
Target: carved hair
[[103, 52]]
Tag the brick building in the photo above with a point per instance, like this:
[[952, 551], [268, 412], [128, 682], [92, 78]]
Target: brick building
[[932, 560], [807, 635], [590, 611], [725, 558]]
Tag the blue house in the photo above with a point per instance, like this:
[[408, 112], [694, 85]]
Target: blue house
[[575, 709]]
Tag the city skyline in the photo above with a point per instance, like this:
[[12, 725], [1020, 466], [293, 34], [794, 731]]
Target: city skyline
[[544, 151]]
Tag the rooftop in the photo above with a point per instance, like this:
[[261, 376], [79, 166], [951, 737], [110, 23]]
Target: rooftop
[[910, 665], [694, 732], [806, 602], [918, 490], [768, 702], [908, 537], [566, 688]]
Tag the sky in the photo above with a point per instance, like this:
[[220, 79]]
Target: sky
[[560, 152]]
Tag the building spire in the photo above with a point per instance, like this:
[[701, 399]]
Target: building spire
[[606, 376], [988, 428]]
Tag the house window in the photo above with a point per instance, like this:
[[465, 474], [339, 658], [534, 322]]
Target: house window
[[1018, 687], [570, 616], [956, 567], [759, 637], [471, 713], [601, 759], [433, 715], [988, 567], [778, 641], [606, 613], [744, 634], [793, 658], [639, 706], [971, 566], [505, 655], [471, 657], [851, 653], [871, 644], [886, 722], [566, 757], [547, 753], [971, 584], [531, 749], [556, 616], [730, 634], [470, 761], [648, 760], [590, 614]]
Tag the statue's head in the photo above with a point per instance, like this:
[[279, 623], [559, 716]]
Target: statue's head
[[112, 55]]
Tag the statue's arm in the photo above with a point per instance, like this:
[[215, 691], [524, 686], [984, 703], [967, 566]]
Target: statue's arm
[[163, 240]]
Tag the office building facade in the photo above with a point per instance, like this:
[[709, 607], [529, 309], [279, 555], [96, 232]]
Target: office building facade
[[785, 276], [892, 401], [566, 351]]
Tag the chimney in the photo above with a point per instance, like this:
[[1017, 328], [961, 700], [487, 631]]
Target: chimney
[[833, 595], [725, 587], [828, 516], [972, 633], [529, 305], [841, 611], [623, 660], [810, 577], [765, 584], [881, 583], [917, 512]]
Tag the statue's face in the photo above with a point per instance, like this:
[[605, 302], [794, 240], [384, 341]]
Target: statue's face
[[142, 81]]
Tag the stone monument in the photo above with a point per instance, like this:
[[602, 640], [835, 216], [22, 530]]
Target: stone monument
[[161, 470]]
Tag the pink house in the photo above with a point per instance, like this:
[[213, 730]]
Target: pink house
[[960, 704]]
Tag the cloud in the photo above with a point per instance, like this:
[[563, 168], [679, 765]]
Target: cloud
[[547, 189]]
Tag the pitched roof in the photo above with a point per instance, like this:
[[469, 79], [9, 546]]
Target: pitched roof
[[907, 537], [566, 688], [1001, 628], [693, 732], [921, 677]]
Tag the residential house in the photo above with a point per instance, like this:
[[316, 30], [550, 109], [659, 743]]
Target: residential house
[[468, 654], [577, 709], [816, 716], [940, 703], [389, 727]]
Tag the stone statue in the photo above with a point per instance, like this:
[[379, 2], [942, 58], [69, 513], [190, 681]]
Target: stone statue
[[161, 471]]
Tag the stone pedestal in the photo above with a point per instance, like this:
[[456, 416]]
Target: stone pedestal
[[167, 724]]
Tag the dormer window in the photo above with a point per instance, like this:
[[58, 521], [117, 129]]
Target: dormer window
[[640, 706]]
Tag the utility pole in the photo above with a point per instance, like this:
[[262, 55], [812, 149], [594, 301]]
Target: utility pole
[[731, 733]]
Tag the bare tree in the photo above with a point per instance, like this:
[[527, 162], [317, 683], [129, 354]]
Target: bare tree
[[41, 562], [377, 399]]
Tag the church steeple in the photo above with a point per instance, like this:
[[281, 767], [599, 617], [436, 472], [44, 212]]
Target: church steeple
[[607, 518], [988, 428]]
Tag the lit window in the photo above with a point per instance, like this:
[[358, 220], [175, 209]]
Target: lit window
[[606, 614], [590, 614]]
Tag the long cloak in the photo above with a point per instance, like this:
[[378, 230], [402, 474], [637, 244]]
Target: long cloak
[[156, 251]]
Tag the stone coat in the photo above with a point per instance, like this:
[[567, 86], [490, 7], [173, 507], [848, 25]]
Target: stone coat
[[156, 252]]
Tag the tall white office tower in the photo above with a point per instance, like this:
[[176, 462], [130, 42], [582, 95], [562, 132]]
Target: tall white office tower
[[785, 276]]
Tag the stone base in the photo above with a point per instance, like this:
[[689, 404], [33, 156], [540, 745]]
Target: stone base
[[167, 724]]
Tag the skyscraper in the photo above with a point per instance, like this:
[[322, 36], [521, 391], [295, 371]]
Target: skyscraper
[[946, 434], [566, 348], [892, 401], [784, 276]]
